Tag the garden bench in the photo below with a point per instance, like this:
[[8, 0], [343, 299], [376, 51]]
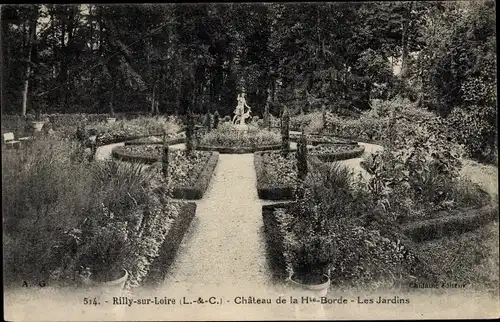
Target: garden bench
[[8, 140]]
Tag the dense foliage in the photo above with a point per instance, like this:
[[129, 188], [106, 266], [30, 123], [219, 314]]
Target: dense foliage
[[69, 220], [170, 58], [326, 228]]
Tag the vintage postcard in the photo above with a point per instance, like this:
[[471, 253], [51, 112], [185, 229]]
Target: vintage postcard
[[249, 161]]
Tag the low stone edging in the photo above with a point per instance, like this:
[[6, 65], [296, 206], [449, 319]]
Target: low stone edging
[[238, 150], [159, 267], [466, 220], [195, 191]]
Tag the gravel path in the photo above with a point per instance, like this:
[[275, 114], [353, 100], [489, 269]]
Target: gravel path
[[223, 253], [104, 152], [224, 245]]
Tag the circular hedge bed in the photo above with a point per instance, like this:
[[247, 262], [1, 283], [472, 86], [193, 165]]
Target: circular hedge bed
[[172, 139], [315, 139], [238, 150], [229, 139]]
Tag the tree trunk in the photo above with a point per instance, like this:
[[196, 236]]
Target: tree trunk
[[32, 31], [404, 58], [153, 99], [404, 42], [2, 67], [112, 100], [62, 66], [91, 32]]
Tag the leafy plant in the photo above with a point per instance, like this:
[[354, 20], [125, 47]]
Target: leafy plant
[[310, 245], [216, 120], [104, 243], [208, 122], [190, 134], [301, 156], [164, 164], [285, 131]]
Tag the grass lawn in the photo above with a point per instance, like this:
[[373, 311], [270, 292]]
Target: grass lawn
[[471, 258]]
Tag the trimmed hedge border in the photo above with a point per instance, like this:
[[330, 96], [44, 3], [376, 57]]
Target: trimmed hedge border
[[466, 220], [275, 245], [168, 250], [197, 190], [238, 150], [119, 154], [266, 190], [193, 192], [356, 139], [315, 139], [119, 139], [341, 155]]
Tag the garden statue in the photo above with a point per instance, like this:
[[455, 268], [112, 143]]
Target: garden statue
[[240, 114]]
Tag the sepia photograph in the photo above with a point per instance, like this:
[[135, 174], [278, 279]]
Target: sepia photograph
[[249, 161]]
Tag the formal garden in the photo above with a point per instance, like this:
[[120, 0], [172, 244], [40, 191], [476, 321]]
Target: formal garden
[[245, 149]]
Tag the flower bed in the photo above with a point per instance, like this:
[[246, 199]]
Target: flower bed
[[276, 175], [190, 176], [335, 152], [127, 130]]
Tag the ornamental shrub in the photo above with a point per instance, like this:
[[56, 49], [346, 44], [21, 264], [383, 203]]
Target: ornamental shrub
[[208, 122], [301, 155], [216, 120], [285, 131], [266, 117], [164, 160], [190, 133]]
